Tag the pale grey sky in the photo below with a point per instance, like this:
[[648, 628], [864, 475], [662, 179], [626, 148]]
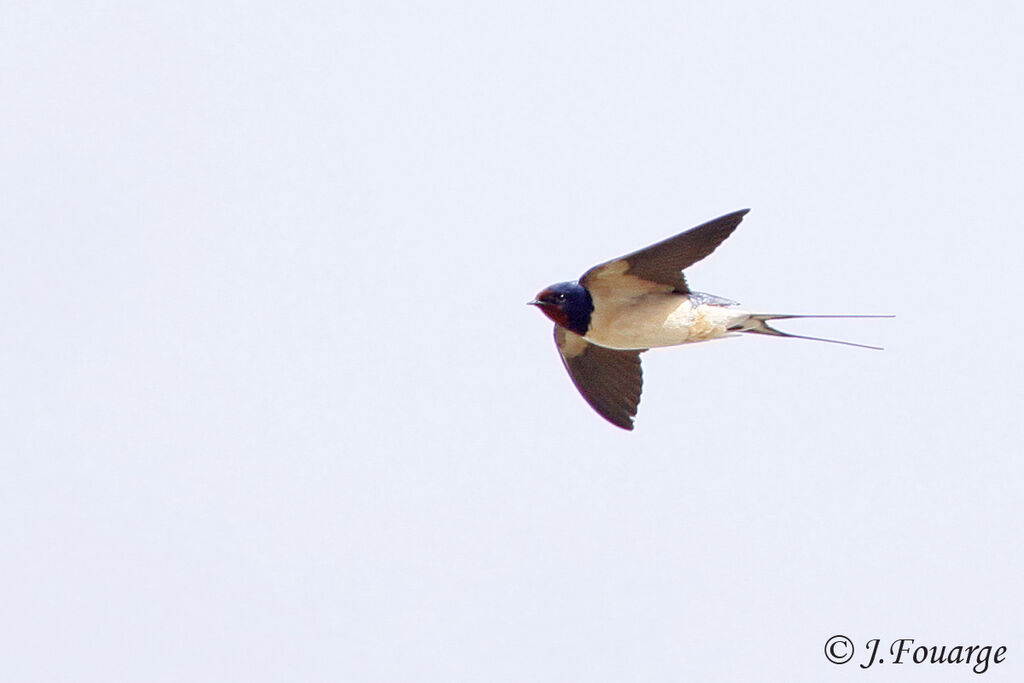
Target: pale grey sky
[[274, 410]]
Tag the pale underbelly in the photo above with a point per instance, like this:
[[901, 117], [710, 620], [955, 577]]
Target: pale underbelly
[[662, 323]]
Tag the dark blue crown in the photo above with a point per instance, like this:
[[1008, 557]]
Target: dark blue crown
[[577, 305]]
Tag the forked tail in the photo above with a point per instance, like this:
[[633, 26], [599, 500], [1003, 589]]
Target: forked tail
[[757, 323]]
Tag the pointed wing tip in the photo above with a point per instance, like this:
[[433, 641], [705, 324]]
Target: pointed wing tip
[[626, 424], [609, 380]]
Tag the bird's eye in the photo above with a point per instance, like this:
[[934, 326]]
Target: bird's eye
[[560, 297]]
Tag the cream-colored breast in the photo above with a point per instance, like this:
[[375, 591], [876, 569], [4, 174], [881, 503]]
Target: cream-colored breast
[[658, 320]]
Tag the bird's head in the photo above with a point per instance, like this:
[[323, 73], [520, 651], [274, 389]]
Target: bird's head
[[568, 304]]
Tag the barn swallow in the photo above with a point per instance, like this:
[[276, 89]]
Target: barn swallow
[[619, 309]]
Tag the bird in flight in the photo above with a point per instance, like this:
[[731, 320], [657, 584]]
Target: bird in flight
[[619, 309]]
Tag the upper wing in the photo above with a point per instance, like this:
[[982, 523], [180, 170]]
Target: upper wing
[[658, 267], [608, 379]]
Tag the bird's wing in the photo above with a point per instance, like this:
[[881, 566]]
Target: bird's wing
[[657, 268], [608, 379]]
